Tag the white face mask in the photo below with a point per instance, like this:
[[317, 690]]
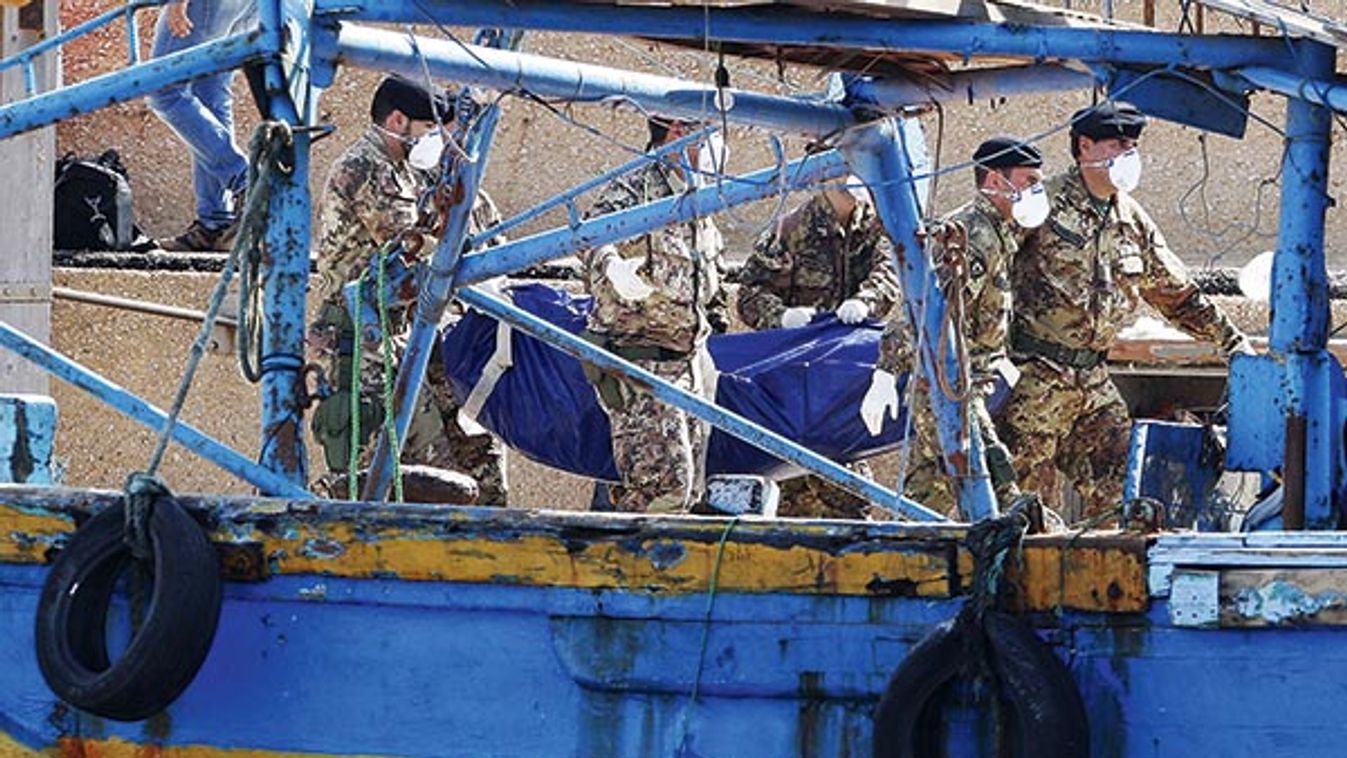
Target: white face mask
[[1030, 207], [426, 151], [1124, 170]]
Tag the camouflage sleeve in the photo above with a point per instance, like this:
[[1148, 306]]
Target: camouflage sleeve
[[619, 194], [484, 216], [765, 275], [895, 345], [881, 290], [383, 204], [1167, 286]]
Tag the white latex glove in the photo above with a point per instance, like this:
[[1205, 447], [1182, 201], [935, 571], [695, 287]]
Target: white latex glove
[[629, 284], [882, 396], [852, 311], [796, 317]]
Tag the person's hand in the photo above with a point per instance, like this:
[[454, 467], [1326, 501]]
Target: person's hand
[[794, 318], [178, 22], [622, 272], [881, 398], [852, 311]]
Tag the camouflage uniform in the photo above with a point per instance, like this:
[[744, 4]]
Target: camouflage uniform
[[813, 260], [657, 448], [369, 199], [1078, 280], [972, 247]]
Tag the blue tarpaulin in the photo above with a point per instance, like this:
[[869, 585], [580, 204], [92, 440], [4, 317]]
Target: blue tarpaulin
[[805, 384]]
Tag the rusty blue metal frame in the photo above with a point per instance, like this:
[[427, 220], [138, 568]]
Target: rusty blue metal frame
[[510, 71], [876, 155], [29, 55], [463, 172], [1298, 378], [285, 270], [555, 243], [781, 26], [568, 197], [128, 404], [137, 81], [315, 41]]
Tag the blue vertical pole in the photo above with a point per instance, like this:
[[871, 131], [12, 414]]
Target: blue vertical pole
[[465, 176], [876, 155], [285, 276], [1299, 330], [1299, 276]]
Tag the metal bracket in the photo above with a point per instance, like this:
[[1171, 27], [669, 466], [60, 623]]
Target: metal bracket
[[25, 292]]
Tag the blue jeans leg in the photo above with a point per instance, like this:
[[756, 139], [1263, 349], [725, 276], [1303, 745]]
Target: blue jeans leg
[[201, 114]]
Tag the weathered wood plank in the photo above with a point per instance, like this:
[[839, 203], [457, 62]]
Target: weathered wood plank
[[1283, 597]]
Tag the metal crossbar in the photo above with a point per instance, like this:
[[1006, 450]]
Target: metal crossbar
[[29, 55]]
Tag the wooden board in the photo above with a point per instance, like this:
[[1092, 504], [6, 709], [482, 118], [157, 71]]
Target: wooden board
[[1277, 16], [1283, 597]]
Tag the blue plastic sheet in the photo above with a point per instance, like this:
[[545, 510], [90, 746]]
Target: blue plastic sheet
[[805, 384]]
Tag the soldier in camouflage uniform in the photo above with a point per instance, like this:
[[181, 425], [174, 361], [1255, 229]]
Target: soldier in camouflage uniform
[[656, 300], [371, 197], [1078, 280], [829, 254], [972, 249]]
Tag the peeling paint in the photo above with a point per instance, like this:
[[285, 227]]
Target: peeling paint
[[665, 555], [316, 593], [322, 549], [1279, 601]]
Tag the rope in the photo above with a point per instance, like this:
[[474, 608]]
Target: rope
[[266, 148], [357, 356], [390, 416], [953, 246], [990, 541], [706, 634], [141, 491]]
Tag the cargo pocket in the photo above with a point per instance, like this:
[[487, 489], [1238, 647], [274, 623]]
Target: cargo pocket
[[332, 427]]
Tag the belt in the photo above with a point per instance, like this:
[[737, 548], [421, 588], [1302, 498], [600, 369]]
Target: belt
[[1074, 357], [636, 352]]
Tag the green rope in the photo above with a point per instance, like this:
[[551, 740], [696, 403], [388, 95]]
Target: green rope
[[357, 355], [390, 417], [706, 630]]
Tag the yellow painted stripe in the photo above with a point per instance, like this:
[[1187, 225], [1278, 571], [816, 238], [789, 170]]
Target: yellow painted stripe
[[25, 537], [665, 565], [1105, 573]]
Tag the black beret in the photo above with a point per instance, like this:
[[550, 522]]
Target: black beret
[[1109, 120], [1007, 152], [414, 100]]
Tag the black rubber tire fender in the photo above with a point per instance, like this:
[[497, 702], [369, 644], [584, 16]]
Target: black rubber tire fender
[[1038, 687], [180, 617]]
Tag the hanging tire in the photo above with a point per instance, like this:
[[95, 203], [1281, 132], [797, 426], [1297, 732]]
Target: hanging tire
[[180, 616], [1032, 682]]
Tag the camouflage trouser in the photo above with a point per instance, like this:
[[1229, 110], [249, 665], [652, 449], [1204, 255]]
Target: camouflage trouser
[[812, 496], [926, 481], [435, 437], [656, 447], [1072, 420]]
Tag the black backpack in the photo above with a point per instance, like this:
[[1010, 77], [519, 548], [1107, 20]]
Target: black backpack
[[93, 206]]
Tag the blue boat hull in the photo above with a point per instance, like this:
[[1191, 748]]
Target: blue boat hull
[[317, 663]]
